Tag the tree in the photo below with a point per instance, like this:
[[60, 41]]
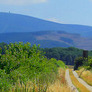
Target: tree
[[78, 62]]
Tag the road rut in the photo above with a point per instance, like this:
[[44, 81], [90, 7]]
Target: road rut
[[69, 82]]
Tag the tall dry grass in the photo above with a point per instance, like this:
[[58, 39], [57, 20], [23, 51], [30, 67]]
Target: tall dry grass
[[59, 85], [29, 87], [86, 75]]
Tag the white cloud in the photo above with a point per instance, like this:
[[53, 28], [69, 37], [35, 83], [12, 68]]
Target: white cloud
[[54, 20], [21, 2]]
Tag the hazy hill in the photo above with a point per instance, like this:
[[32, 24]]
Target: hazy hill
[[20, 23], [16, 27], [48, 39]]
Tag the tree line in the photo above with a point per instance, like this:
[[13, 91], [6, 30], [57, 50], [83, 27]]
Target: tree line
[[67, 55]]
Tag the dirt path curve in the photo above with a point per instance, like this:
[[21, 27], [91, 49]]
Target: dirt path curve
[[69, 82], [82, 81]]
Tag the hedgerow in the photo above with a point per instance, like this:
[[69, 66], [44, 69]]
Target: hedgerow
[[23, 63]]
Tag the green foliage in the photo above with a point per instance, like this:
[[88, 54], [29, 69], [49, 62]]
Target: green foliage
[[89, 64], [84, 62], [67, 55], [78, 62], [2, 47], [5, 82], [23, 62]]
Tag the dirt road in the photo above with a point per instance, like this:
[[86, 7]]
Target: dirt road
[[69, 82], [82, 81]]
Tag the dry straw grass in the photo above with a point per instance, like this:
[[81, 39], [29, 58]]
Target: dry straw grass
[[58, 87], [78, 85], [60, 84], [85, 75]]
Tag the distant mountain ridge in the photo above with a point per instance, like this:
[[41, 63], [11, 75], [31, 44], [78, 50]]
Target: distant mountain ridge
[[10, 22], [16, 27], [48, 39]]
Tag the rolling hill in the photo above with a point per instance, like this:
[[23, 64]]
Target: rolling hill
[[16, 27], [48, 39], [10, 22]]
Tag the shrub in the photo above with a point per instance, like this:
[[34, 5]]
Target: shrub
[[78, 62], [23, 62]]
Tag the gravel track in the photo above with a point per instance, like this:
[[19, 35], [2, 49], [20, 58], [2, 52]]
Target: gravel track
[[82, 81], [69, 82]]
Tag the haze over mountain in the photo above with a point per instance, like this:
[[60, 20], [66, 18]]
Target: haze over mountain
[[16, 27], [48, 39], [21, 23]]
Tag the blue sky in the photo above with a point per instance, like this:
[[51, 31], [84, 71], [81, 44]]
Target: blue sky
[[62, 11]]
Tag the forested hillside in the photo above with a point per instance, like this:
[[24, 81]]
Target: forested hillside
[[67, 55], [48, 39]]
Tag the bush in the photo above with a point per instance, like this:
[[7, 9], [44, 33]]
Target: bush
[[78, 62], [23, 62], [89, 64]]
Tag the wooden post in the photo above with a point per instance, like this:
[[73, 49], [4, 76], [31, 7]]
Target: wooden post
[[85, 54]]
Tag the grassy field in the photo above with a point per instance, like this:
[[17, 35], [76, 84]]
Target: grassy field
[[86, 75], [77, 84]]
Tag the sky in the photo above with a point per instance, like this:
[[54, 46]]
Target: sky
[[61, 11]]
